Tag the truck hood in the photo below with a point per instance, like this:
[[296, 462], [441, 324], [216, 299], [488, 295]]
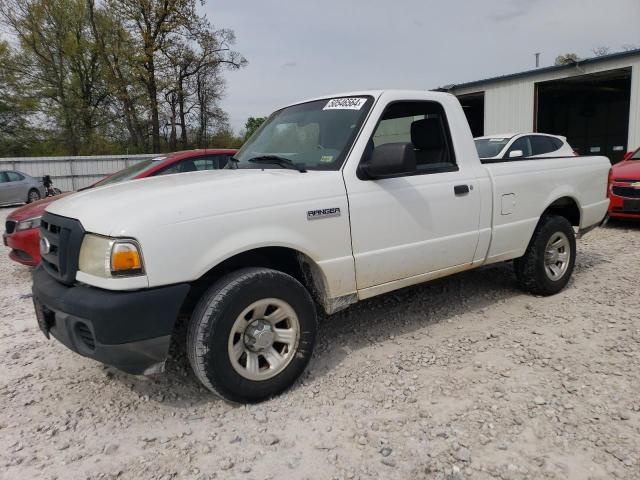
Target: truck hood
[[124, 208], [629, 169]]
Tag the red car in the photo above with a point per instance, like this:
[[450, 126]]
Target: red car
[[22, 233], [624, 187]]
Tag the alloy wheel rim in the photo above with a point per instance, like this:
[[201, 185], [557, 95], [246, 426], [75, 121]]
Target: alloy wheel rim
[[264, 339], [556, 256], [33, 196]]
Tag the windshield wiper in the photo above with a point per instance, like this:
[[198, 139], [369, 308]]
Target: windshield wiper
[[277, 160]]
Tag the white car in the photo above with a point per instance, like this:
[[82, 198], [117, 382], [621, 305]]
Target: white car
[[333, 200], [494, 148]]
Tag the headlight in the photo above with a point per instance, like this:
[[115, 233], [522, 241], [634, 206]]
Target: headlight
[[28, 224], [110, 257]]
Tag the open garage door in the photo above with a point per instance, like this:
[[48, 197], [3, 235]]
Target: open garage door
[[592, 111], [473, 106]]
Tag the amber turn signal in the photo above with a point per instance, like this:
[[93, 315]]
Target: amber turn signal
[[125, 259]]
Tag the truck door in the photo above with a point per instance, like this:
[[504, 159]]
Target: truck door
[[417, 223]]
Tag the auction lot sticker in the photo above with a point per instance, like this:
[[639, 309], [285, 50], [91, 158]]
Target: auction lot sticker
[[347, 103]]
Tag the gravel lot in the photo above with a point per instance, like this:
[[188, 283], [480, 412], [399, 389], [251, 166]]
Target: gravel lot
[[465, 377]]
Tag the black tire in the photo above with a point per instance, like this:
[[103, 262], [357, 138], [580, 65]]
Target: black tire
[[530, 269], [33, 195], [212, 322]]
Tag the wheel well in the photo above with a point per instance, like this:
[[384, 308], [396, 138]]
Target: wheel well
[[565, 207], [283, 259]]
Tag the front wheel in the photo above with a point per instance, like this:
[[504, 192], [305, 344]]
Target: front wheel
[[546, 266], [252, 334]]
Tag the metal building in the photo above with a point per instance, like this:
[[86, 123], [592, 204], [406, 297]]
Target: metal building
[[595, 103]]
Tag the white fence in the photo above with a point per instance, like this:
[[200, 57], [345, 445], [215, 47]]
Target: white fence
[[72, 173]]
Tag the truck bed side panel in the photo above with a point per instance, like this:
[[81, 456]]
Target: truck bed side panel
[[524, 189]]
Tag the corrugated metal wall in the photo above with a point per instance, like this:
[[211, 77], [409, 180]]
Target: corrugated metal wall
[[509, 103], [72, 173], [508, 107]]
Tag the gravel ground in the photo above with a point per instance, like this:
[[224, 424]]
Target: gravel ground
[[465, 377]]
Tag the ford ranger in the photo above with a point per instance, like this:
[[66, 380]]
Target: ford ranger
[[333, 200]]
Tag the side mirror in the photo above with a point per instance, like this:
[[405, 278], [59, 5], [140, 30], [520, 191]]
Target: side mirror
[[389, 160], [516, 154]]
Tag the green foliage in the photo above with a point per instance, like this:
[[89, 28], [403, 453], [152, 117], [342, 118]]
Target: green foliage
[[111, 76], [15, 105], [224, 138], [251, 125]]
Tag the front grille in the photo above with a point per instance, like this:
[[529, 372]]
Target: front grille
[[10, 226], [85, 336], [61, 238], [627, 192]]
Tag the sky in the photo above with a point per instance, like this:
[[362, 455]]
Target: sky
[[298, 49]]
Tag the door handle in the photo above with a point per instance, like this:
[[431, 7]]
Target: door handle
[[461, 189]]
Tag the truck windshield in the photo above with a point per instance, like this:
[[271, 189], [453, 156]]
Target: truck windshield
[[313, 136], [490, 147]]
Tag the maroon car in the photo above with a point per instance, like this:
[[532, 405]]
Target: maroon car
[[22, 233]]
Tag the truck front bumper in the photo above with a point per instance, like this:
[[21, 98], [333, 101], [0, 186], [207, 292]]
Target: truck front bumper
[[128, 330]]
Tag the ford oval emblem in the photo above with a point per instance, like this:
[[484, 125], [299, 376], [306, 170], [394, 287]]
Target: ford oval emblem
[[45, 246]]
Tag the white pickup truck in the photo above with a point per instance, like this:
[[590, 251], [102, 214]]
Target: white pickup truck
[[331, 201]]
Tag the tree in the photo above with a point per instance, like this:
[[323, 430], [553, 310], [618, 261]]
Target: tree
[[566, 59], [60, 63], [251, 125], [225, 138], [200, 61], [15, 104], [151, 23], [115, 44], [208, 90], [109, 76]]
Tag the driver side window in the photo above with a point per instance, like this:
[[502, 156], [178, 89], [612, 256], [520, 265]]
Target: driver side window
[[423, 125]]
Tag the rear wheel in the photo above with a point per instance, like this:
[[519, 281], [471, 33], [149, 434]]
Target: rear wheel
[[546, 266], [252, 334], [33, 196]]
